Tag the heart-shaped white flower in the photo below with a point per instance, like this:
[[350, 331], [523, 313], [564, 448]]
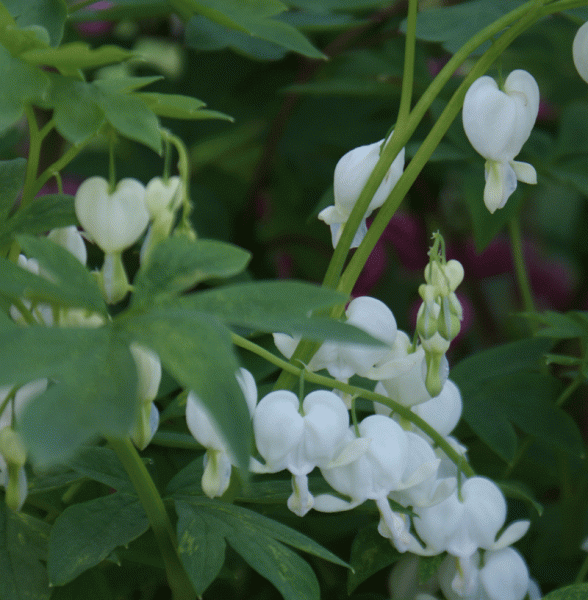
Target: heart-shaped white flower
[[114, 221]]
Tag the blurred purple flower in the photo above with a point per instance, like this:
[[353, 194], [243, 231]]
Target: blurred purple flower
[[95, 28]]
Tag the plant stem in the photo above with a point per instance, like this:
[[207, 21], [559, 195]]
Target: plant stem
[[427, 148], [516, 242], [158, 518], [35, 141], [408, 75], [352, 390]]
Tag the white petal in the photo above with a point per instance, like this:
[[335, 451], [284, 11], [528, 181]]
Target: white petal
[[513, 533], [524, 172], [330, 504], [505, 575], [501, 182], [580, 51]]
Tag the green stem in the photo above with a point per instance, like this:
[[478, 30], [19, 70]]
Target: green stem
[[516, 242], [427, 148], [66, 158], [158, 518], [184, 170], [408, 75], [353, 390], [35, 141]]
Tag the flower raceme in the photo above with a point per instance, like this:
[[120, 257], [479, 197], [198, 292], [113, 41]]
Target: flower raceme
[[498, 123], [351, 174]]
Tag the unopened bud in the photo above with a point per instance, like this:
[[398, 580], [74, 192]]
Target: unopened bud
[[12, 448]]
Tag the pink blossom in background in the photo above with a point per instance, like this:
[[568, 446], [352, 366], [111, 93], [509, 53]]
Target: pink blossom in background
[[70, 186], [95, 28], [409, 239], [372, 271], [553, 281], [284, 265], [547, 111]]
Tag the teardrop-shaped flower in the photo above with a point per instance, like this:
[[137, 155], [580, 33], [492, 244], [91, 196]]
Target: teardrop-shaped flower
[[299, 441], [497, 124], [351, 174], [114, 221], [580, 51], [218, 458]]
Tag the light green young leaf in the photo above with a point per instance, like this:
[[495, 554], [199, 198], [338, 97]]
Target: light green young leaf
[[27, 85], [18, 40], [76, 55], [23, 547], [252, 17], [78, 117], [85, 534], [48, 212], [125, 84], [176, 106], [12, 174], [62, 268], [196, 350], [178, 264], [49, 14]]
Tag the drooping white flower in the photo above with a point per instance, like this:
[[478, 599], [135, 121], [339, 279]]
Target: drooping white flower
[[469, 519], [12, 451], [351, 174], [218, 459], [580, 51], [148, 380], [299, 440], [114, 221], [497, 124], [344, 360], [370, 468], [502, 575], [70, 239]]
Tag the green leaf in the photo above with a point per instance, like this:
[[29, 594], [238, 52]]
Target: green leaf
[[95, 393], [49, 14], [45, 213], [77, 114], [131, 117], [514, 489], [559, 325], [453, 26], [573, 129], [23, 547], [370, 553], [188, 480], [196, 350], [62, 268], [27, 85], [500, 388], [429, 566], [257, 539], [12, 174], [101, 464], [126, 85], [86, 533], [252, 17], [178, 264], [578, 591], [76, 55], [176, 106], [200, 546]]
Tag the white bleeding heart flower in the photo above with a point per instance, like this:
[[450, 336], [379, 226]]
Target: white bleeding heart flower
[[345, 360], [218, 459], [351, 174], [580, 51], [163, 197], [500, 575], [469, 519], [12, 451], [371, 467], [148, 380], [114, 221], [70, 239], [299, 441], [497, 124]]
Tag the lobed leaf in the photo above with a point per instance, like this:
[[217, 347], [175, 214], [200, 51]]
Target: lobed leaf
[[176, 106], [85, 534], [12, 174], [23, 550]]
